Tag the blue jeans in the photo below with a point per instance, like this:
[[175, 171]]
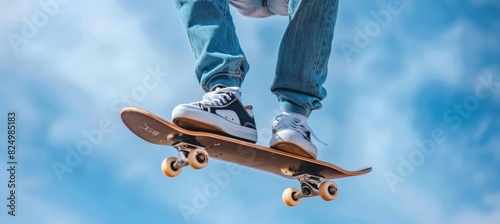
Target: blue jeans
[[304, 52]]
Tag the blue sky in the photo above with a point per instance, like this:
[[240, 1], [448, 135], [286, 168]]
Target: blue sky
[[419, 102]]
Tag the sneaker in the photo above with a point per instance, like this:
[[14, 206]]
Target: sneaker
[[221, 112], [292, 134]]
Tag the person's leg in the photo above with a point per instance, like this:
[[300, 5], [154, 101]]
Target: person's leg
[[301, 71], [303, 56], [211, 32], [220, 68]]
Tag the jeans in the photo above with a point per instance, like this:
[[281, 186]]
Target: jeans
[[304, 52]]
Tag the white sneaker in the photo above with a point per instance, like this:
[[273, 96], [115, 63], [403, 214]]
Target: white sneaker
[[221, 112], [292, 134]]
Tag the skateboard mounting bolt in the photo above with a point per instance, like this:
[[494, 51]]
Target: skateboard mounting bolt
[[200, 157], [172, 166], [306, 191], [331, 190]]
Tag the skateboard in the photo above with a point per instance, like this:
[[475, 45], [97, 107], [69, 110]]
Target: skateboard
[[194, 148]]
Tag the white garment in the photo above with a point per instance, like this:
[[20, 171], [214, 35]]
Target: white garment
[[255, 8]]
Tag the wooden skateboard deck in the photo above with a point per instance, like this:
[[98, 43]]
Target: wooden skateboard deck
[[156, 130]]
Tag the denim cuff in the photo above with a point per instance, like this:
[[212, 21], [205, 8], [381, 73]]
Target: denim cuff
[[289, 105], [225, 79]]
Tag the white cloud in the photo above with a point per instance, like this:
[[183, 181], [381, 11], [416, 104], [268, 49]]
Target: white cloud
[[41, 210], [489, 216], [381, 126], [11, 14]]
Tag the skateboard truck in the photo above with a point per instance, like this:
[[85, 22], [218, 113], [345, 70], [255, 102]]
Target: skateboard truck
[[197, 157], [188, 154], [310, 185]]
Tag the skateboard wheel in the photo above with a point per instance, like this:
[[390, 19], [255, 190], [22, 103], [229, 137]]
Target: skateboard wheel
[[198, 158], [328, 190], [168, 169], [288, 197]]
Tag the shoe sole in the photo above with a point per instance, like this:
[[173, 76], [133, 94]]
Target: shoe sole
[[194, 125], [293, 148]]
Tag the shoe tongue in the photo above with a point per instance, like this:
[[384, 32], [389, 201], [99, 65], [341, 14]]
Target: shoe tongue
[[236, 92], [294, 115], [217, 87]]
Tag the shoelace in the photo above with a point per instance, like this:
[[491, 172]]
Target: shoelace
[[291, 122], [218, 97]]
